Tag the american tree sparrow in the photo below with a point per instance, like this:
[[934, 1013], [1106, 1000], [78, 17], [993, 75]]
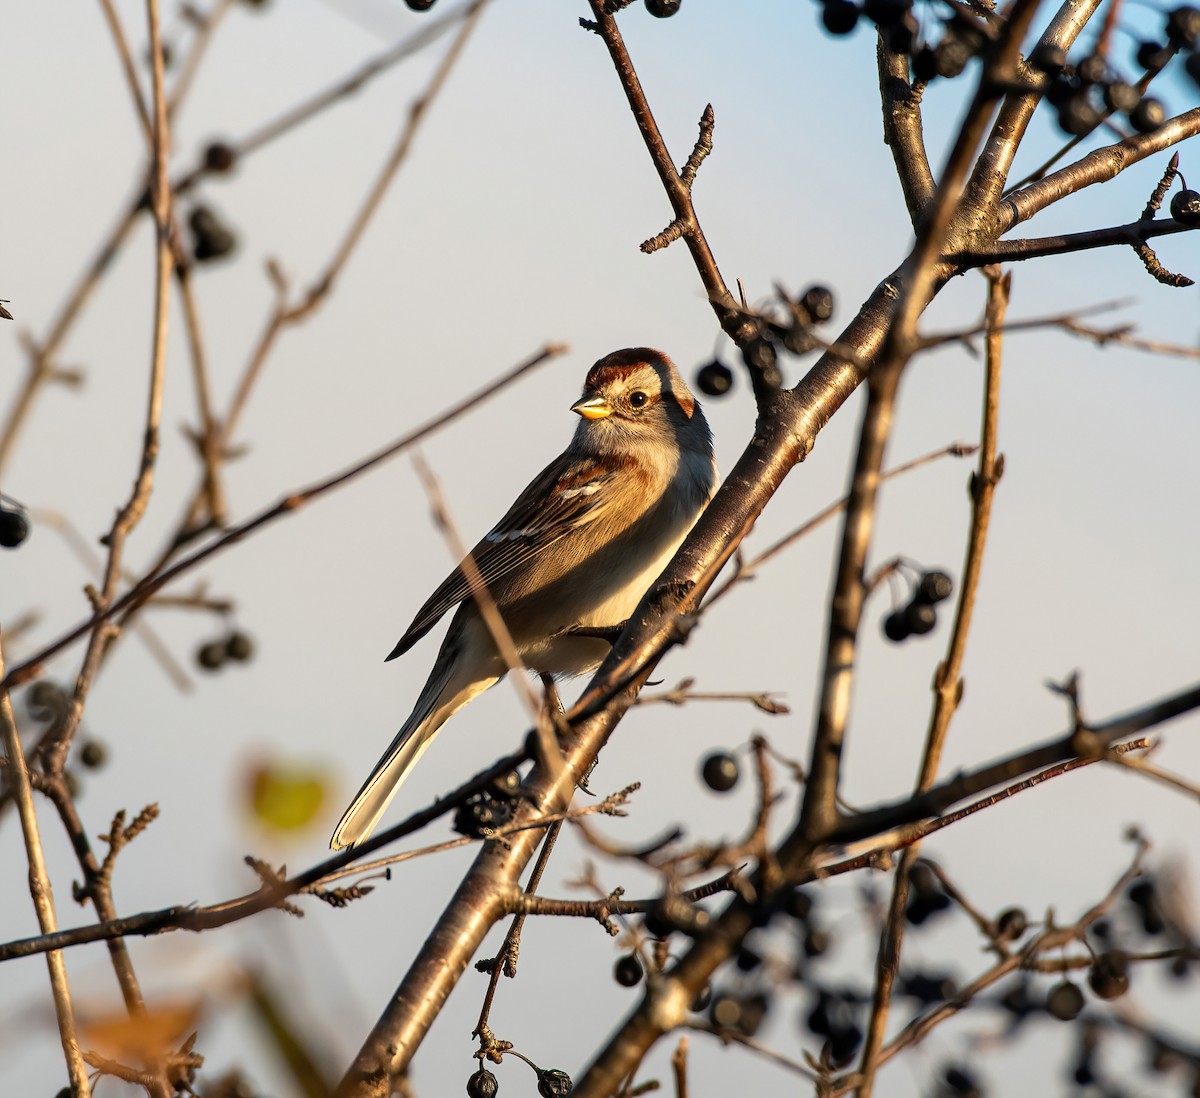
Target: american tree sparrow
[[578, 549]]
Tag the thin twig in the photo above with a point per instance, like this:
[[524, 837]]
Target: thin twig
[[131, 513], [16, 777], [948, 682]]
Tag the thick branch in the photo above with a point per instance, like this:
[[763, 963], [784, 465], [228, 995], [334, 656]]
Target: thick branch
[[903, 131], [1005, 251], [1097, 167]]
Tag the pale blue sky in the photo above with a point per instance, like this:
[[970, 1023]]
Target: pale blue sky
[[517, 221]]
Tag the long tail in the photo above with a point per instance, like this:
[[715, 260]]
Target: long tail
[[444, 694]]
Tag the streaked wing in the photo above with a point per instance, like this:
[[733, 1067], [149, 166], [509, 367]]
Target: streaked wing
[[558, 501]]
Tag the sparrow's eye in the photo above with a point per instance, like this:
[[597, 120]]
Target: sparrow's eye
[[638, 399]]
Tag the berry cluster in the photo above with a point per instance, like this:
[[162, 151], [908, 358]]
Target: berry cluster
[[760, 353], [1084, 94], [919, 616], [926, 897], [211, 237], [479, 815], [14, 523], [235, 647], [963, 36], [551, 1082], [835, 1016]]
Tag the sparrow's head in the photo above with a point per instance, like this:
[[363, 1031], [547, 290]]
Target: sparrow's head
[[636, 396]]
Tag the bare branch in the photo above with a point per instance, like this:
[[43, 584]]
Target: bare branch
[[948, 682], [1098, 166], [16, 777], [903, 131]]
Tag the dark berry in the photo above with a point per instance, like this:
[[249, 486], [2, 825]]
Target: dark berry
[[213, 239], [212, 655], [924, 65], [747, 959], [14, 528], [1011, 924], [628, 970], [1153, 55], [553, 1083], [920, 618], [901, 36], [923, 881], [239, 647], [1093, 69], [1064, 1001], [951, 55], [1148, 115], [420, 5], [45, 700], [759, 354], [1192, 66], [1083, 1073], [1017, 1000], [895, 627], [93, 754], [1142, 892], [725, 1011], [506, 785], [818, 303], [753, 1010], [219, 157], [662, 9], [1121, 97], [1060, 90], [843, 1043], [702, 999], [933, 586], [819, 1020], [839, 16], [720, 771], [884, 13], [1153, 922], [657, 923], [1183, 26], [1078, 115], [714, 378], [1185, 207], [961, 1083], [1109, 975], [928, 988], [1048, 58], [798, 340], [482, 1084], [481, 814]]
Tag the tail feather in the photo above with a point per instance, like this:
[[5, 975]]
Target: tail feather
[[440, 699]]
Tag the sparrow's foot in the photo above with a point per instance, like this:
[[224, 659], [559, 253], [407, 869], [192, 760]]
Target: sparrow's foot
[[582, 784]]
